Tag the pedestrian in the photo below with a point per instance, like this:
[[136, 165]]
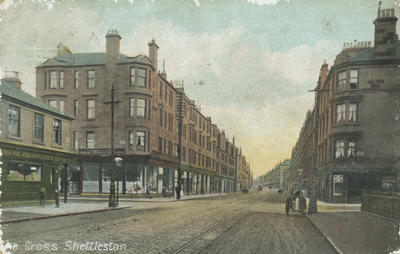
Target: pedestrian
[[42, 191], [57, 198]]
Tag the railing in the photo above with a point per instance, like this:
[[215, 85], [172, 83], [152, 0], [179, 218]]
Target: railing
[[383, 203]]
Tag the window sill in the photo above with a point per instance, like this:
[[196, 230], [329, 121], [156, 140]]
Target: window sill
[[57, 146], [38, 142], [14, 137]]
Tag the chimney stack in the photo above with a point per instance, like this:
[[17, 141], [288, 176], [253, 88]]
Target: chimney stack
[[112, 47], [323, 72], [385, 34], [12, 77], [153, 53]]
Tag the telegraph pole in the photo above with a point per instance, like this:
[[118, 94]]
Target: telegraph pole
[[112, 201], [180, 112], [313, 199]]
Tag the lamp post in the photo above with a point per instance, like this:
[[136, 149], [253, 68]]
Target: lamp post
[[111, 199], [118, 163]]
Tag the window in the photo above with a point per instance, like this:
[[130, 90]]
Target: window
[[53, 79], [337, 185], [170, 122], [161, 116], [340, 112], [53, 103], [183, 153], [140, 140], [57, 131], [91, 79], [160, 145], [353, 112], [38, 126], [353, 79], [14, 120], [169, 148], [75, 140], [76, 104], [132, 77], [61, 79], [351, 151], [131, 107], [171, 99], [90, 109], [184, 131], [141, 107], [62, 106], [76, 79], [24, 171], [90, 140], [341, 81], [160, 89], [141, 77], [166, 93], [339, 148]]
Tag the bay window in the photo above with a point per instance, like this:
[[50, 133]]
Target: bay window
[[339, 148]]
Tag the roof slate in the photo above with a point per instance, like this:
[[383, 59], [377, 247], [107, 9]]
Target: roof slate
[[13, 92]]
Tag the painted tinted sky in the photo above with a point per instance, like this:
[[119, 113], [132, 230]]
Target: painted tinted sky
[[257, 58]]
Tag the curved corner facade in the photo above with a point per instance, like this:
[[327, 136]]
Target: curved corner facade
[[358, 119]]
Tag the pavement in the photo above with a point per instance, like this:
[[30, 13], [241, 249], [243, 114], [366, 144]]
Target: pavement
[[80, 205], [349, 230]]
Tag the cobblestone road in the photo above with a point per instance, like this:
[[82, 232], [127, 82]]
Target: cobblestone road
[[252, 223]]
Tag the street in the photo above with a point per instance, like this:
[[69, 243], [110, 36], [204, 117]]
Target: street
[[253, 223]]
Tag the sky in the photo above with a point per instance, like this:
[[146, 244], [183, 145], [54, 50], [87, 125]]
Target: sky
[[257, 59]]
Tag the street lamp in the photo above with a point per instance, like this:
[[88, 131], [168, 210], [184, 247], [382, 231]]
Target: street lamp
[[118, 163]]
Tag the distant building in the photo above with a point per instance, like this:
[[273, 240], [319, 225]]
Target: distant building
[[35, 143], [359, 118], [145, 133]]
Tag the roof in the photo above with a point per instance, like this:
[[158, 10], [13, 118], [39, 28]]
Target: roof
[[15, 93], [82, 59], [368, 54]]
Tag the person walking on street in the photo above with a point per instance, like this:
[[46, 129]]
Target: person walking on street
[[42, 191], [57, 198]]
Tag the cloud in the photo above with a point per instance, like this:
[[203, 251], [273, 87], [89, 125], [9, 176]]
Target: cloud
[[258, 95]]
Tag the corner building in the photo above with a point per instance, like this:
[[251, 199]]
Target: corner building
[[145, 120], [358, 121]]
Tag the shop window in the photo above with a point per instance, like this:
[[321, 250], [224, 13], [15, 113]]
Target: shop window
[[14, 120], [337, 185], [24, 171]]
